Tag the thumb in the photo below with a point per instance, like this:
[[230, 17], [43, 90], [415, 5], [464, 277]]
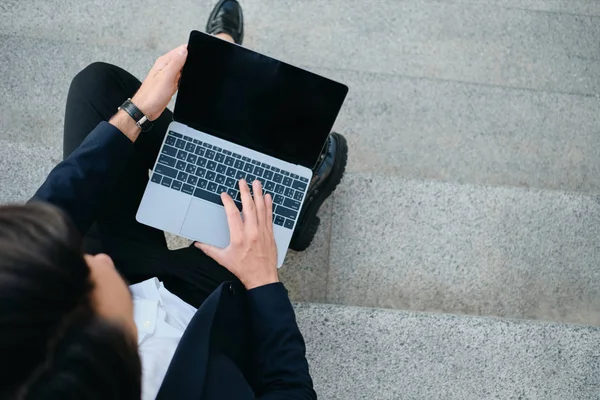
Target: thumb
[[177, 59], [211, 251]]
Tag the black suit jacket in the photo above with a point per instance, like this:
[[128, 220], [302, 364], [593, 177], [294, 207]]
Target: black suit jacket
[[240, 344]]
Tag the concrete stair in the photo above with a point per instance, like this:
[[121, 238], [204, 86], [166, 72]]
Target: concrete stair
[[471, 198]]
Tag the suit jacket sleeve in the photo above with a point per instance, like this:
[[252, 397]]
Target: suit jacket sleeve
[[282, 368], [79, 184]]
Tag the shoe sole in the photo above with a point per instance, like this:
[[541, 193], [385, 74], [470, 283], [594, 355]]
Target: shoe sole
[[310, 222]]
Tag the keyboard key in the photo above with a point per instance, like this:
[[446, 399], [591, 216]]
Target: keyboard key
[[271, 193], [212, 187], [288, 224], [240, 175], [278, 178], [164, 170], [285, 173], [156, 178], [178, 135], [250, 178], [208, 146], [210, 175], [268, 175], [265, 166], [227, 152], [278, 199], [289, 192], [230, 182], [190, 147], [210, 154], [190, 169], [192, 180], [229, 161], [230, 172], [258, 171], [235, 155], [221, 189], [238, 164], [286, 212], [279, 220], [180, 144], [205, 195], [185, 188], [202, 183], [299, 185], [166, 160], [221, 168], [217, 149], [246, 159], [298, 195], [182, 155], [201, 162], [187, 138], [182, 176], [294, 176], [170, 151], [200, 151], [275, 169], [279, 189], [287, 181], [171, 140], [200, 172], [211, 165], [220, 157], [232, 192], [292, 204], [192, 158], [269, 185], [255, 162], [303, 179], [196, 141], [220, 179], [249, 168], [176, 185], [180, 165]]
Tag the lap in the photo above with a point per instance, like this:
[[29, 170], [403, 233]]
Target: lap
[[139, 251]]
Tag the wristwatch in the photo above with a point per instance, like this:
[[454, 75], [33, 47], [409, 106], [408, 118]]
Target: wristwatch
[[138, 116]]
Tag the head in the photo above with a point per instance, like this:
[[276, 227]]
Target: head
[[66, 319]]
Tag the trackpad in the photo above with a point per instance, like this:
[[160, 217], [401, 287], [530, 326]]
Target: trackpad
[[207, 223]]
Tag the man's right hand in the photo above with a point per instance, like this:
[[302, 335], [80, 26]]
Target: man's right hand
[[252, 252]]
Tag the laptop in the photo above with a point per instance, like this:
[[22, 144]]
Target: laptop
[[238, 114]]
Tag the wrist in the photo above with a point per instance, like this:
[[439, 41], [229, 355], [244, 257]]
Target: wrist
[[253, 284], [123, 122]]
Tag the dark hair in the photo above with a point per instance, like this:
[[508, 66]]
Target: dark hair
[[53, 344]]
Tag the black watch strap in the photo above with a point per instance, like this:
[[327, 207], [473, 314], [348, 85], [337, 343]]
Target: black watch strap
[[138, 116]]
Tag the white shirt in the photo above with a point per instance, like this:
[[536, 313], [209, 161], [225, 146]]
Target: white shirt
[[161, 318]]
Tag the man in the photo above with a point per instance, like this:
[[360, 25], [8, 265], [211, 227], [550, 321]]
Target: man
[[243, 342]]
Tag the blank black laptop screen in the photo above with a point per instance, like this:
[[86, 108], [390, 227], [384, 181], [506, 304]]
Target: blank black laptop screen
[[255, 101]]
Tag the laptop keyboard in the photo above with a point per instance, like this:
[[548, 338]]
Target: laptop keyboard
[[205, 171]]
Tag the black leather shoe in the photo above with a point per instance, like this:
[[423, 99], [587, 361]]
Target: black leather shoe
[[227, 17], [327, 175]]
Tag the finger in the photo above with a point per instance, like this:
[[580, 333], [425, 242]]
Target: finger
[[269, 212], [248, 207], [259, 202], [213, 252], [177, 59], [234, 218], [174, 55]]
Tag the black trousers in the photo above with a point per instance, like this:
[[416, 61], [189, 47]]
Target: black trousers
[[139, 251]]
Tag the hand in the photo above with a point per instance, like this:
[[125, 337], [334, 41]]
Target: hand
[[252, 252], [161, 83]]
